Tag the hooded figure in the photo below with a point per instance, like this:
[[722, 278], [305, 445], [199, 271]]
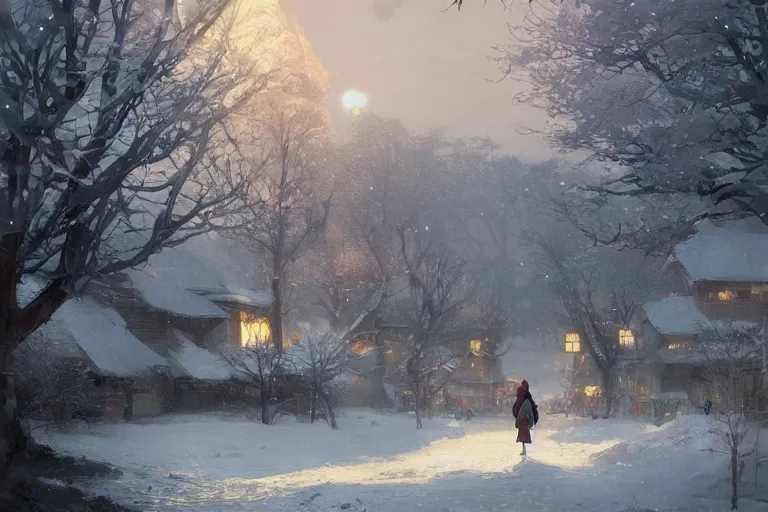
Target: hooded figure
[[523, 418]]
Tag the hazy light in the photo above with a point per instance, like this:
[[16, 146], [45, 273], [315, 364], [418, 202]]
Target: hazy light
[[354, 102]]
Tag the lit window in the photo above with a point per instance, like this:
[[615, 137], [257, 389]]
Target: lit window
[[726, 296], [572, 343], [626, 338], [592, 391], [476, 347], [678, 346], [254, 330]]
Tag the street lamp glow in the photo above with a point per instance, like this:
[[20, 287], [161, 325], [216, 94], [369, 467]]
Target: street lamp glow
[[354, 102]]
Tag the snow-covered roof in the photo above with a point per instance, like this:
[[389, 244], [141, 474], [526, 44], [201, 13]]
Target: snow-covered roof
[[187, 279], [676, 315], [102, 336], [199, 363], [210, 263], [725, 255], [166, 296], [256, 299]]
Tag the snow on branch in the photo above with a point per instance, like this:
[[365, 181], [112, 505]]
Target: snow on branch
[[113, 137]]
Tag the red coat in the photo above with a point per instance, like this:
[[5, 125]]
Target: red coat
[[523, 432]]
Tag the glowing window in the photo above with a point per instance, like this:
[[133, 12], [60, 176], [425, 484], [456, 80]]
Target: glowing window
[[476, 347], [254, 330], [626, 338], [592, 391], [726, 296], [678, 346], [572, 343]]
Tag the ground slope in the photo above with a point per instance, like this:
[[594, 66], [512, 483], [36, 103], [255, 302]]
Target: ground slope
[[380, 463]]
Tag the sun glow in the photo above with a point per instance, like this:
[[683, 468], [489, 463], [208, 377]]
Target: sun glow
[[354, 102]]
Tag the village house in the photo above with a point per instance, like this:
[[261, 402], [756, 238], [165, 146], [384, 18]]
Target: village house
[[175, 316], [85, 362], [379, 375], [722, 279], [479, 380], [726, 278]]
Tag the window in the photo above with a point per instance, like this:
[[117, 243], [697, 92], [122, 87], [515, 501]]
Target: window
[[678, 346], [476, 347], [572, 343], [254, 330], [726, 296], [626, 338], [592, 391]]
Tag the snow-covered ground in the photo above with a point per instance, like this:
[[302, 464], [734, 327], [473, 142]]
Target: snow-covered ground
[[380, 463]]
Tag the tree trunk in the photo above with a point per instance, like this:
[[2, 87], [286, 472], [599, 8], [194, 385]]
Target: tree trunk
[[734, 476], [13, 440], [277, 312], [379, 395], [607, 392], [417, 405], [329, 410], [264, 395], [313, 406]]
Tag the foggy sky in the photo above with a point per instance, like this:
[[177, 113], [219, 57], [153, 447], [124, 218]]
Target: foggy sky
[[422, 65]]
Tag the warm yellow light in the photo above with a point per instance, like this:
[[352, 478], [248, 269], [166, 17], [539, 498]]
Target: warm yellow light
[[476, 347], [354, 102], [626, 338], [572, 343], [591, 391], [726, 296], [254, 330]]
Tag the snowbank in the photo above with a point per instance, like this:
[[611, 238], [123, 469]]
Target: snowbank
[[684, 438]]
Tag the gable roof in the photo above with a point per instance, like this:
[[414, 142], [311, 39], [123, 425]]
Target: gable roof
[[187, 279], [165, 295], [84, 327], [676, 316], [725, 255]]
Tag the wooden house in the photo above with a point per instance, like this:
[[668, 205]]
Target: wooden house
[[725, 275], [190, 328], [479, 379], [379, 369], [86, 362]]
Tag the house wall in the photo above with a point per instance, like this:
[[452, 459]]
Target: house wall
[[652, 338], [748, 303]]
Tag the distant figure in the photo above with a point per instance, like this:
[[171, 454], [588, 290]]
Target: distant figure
[[533, 404], [524, 420]]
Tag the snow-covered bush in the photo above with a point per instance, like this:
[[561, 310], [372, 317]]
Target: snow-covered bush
[[321, 359]]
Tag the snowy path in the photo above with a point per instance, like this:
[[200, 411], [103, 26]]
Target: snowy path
[[379, 463]]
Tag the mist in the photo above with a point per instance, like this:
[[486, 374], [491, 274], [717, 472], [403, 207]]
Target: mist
[[383, 255]]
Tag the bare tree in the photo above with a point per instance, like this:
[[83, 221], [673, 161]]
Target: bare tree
[[436, 295], [111, 145], [289, 208], [262, 363], [565, 376], [600, 290], [321, 359], [671, 98], [727, 352]]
